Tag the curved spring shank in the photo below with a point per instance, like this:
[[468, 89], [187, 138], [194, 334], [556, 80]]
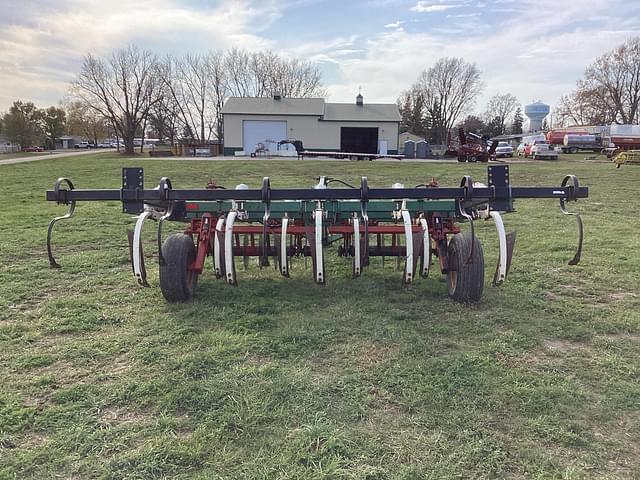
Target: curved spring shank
[[426, 247], [284, 259], [408, 268], [217, 259], [164, 185], [69, 214], [467, 183], [574, 180], [161, 220], [501, 270], [228, 249], [136, 250], [356, 248]]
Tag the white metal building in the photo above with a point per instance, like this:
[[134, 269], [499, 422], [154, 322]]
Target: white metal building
[[349, 127]]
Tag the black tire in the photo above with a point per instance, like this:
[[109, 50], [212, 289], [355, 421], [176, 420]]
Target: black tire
[[573, 150], [461, 159], [465, 280], [472, 159], [176, 281]]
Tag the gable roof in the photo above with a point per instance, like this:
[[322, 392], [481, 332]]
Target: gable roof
[[269, 106], [369, 112]]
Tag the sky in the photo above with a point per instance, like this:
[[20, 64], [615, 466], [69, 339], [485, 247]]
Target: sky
[[534, 49]]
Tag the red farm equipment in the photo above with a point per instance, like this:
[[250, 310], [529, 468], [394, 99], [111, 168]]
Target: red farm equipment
[[414, 225], [473, 148]]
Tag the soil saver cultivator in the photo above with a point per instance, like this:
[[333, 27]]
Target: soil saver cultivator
[[410, 225]]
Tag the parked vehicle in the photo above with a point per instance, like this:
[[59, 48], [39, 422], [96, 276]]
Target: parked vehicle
[[33, 149], [82, 145], [530, 141], [504, 149], [542, 149], [575, 143], [105, 145]]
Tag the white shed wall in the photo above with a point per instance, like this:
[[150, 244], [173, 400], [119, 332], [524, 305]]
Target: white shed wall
[[314, 133]]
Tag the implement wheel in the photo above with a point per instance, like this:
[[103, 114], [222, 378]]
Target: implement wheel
[[176, 280], [465, 280]]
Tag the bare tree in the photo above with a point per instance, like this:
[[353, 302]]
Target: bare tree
[[195, 85], [122, 89], [585, 107], [163, 119], [262, 74], [610, 90], [84, 121], [500, 109], [199, 85], [450, 88]]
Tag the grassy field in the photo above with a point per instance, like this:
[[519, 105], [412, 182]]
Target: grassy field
[[280, 378]]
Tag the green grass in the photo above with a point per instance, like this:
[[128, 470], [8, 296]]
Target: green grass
[[279, 378]]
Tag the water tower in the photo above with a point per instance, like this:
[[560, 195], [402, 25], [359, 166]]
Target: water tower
[[536, 112]]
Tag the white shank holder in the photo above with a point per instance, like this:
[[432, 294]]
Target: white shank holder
[[229, 267], [284, 259], [317, 245], [357, 262], [426, 247], [502, 259], [217, 259], [408, 268]]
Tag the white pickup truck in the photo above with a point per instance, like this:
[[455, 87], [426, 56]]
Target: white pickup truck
[[542, 149]]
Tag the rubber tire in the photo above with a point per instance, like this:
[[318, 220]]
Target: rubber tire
[[176, 281], [465, 281], [473, 159], [573, 150]]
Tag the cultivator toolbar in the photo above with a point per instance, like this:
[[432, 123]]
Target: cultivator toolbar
[[410, 225]]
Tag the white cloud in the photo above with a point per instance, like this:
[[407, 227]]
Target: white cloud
[[58, 35], [428, 7], [43, 42], [395, 24]]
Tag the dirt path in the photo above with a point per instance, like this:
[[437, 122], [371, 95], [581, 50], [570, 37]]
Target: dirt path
[[45, 156]]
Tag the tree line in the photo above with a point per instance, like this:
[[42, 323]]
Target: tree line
[[609, 91], [134, 92], [183, 96], [444, 95]]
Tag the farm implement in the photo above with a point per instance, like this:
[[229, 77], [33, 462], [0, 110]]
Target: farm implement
[[409, 225], [628, 157]]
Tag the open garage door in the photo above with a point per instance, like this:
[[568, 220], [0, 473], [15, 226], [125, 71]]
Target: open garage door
[[359, 139], [262, 131]]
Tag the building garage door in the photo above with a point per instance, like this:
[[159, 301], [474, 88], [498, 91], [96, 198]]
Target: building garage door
[[359, 139], [262, 131]]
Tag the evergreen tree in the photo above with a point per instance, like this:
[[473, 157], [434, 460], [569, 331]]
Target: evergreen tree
[[516, 126]]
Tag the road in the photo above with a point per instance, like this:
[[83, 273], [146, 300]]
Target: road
[[45, 156]]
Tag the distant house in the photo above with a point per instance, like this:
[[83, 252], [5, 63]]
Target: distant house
[[66, 142], [6, 146], [348, 127]]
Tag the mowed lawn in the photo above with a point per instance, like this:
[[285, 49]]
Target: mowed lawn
[[283, 379]]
